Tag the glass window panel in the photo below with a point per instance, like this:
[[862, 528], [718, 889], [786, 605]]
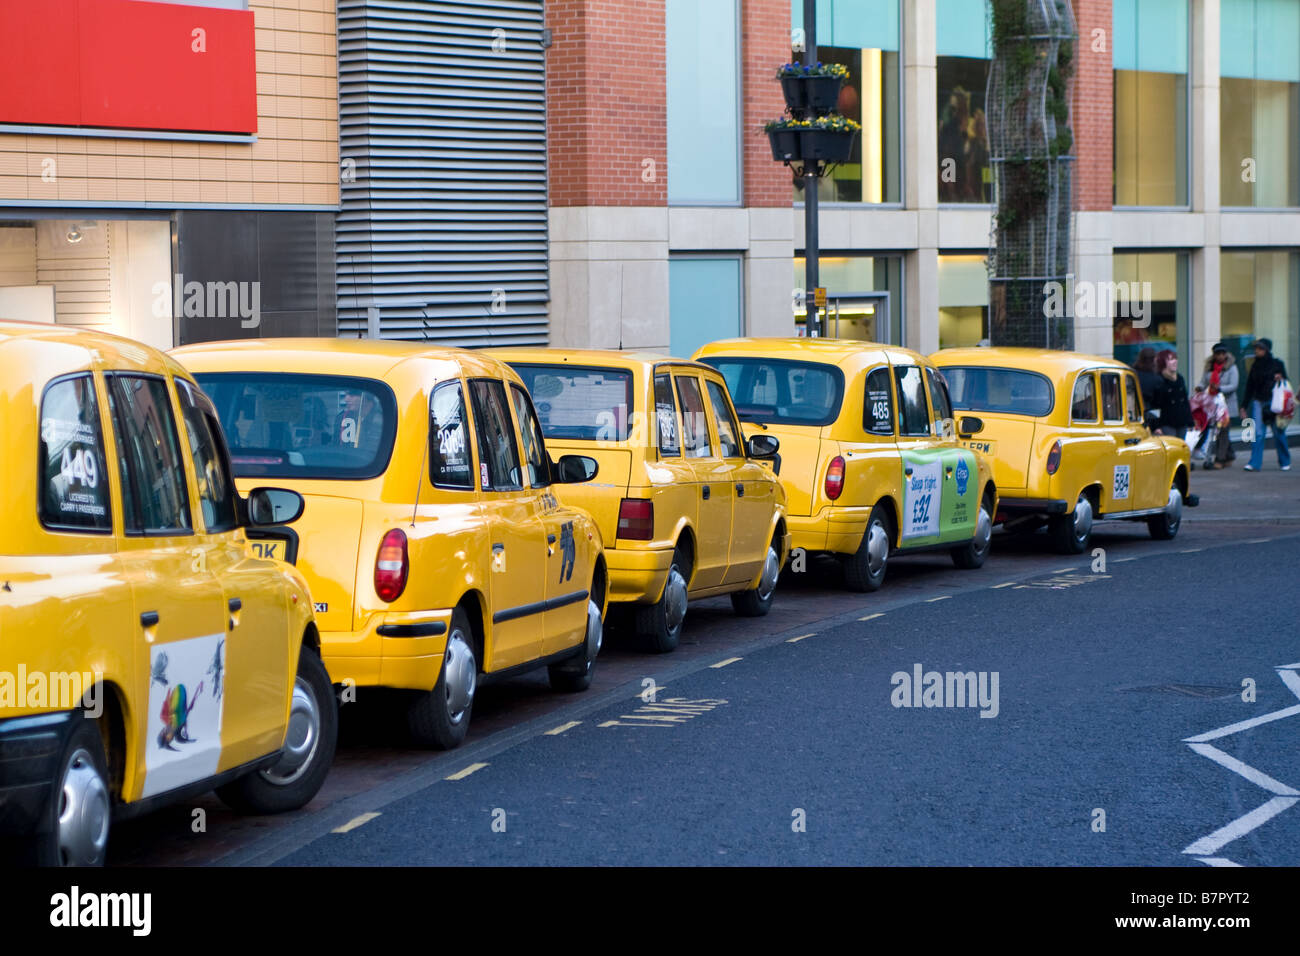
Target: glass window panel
[[1083, 406], [728, 429], [913, 415], [582, 403], [1132, 398], [153, 476], [703, 301], [211, 466], [531, 433], [1149, 305], [74, 474], [497, 452], [962, 28], [703, 101], [695, 422], [1112, 409], [1260, 298], [450, 463], [666, 417], [878, 404], [964, 173]]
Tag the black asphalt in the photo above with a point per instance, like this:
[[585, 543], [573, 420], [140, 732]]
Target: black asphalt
[[1101, 678]]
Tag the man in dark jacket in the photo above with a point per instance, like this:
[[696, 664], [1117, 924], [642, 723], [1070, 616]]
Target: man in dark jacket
[[1256, 399]]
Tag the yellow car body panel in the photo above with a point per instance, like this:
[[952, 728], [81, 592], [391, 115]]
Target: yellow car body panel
[[1091, 405], [513, 559], [729, 531], [77, 588], [876, 460]]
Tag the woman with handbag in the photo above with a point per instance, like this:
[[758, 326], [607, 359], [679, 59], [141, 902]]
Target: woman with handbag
[[1265, 373], [1221, 378]]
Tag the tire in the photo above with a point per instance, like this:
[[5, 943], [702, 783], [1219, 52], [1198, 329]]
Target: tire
[[571, 676], [309, 748], [1164, 527], [974, 553], [864, 570], [1071, 533], [756, 602], [659, 625], [439, 719], [75, 822]]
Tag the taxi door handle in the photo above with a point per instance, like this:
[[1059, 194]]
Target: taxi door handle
[[497, 547], [1132, 441], [235, 604], [740, 489], [706, 492], [908, 472], [550, 539], [148, 618]]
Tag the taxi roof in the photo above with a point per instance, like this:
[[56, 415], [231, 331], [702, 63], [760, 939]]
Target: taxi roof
[[626, 358], [1033, 360], [373, 357], [817, 349], [95, 348]]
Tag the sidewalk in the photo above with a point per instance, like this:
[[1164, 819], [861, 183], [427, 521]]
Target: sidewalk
[[1270, 496]]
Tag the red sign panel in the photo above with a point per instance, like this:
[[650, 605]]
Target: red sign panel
[[127, 64]]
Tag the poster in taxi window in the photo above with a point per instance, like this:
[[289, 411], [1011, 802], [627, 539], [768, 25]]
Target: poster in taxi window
[[186, 698]]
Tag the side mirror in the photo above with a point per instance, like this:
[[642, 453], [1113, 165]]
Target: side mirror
[[268, 507], [762, 446], [575, 469], [969, 425]]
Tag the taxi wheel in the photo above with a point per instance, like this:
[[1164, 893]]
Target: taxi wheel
[[660, 624], [440, 718], [77, 814], [973, 554], [1164, 526], [758, 601], [574, 675], [1071, 533], [864, 570], [308, 752]]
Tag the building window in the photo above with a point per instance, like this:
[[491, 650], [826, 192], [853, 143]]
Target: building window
[[865, 297], [704, 301], [1149, 306], [963, 48], [1150, 60], [1259, 103], [1260, 298], [703, 101], [863, 35], [963, 300]]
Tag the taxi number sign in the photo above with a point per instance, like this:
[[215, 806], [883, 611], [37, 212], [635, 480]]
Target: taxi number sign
[[1121, 482]]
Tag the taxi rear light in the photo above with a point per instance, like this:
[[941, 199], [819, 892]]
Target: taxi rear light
[[835, 478], [636, 519], [1054, 458], [391, 566]]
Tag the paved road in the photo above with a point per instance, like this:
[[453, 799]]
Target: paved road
[[809, 725]]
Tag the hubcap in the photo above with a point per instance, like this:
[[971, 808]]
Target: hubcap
[[83, 813], [595, 631], [1174, 509], [302, 738], [674, 599], [771, 571], [877, 548], [983, 530], [1082, 518], [460, 676]]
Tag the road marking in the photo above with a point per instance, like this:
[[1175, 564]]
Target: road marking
[[1243, 725], [1258, 778], [804, 637], [1004, 584], [668, 712], [1063, 570], [1241, 826], [941, 597], [872, 617], [462, 774], [1192, 551], [1121, 560], [355, 822], [729, 660], [608, 723], [562, 728], [1217, 861]]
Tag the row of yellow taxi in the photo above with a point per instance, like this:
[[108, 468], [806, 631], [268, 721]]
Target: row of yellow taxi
[[277, 518]]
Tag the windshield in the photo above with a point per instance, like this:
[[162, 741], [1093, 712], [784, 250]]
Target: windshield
[[580, 403], [281, 425], [781, 391], [1006, 391]]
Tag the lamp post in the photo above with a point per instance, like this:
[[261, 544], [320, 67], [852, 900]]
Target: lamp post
[[811, 174]]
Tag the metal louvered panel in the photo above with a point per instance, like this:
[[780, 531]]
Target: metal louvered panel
[[443, 219]]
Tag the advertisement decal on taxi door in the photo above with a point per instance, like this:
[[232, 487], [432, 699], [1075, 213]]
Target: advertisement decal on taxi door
[[184, 718]]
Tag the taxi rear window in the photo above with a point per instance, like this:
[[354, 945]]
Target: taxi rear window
[[781, 391], [1004, 391], [285, 425], [580, 403]]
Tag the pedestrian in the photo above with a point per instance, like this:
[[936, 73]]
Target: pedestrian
[[1221, 377], [1148, 377], [1265, 372], [1170, 397]]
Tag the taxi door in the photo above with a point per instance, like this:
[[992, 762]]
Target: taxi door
[[1121, 479], [518, 539], [753, 485], [1150, 483], [257, 618], [959, 510], [712, 479], [923, 459], [567, 570], [181, 609]]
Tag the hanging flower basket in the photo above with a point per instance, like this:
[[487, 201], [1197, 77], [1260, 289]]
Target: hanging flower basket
[[815, 88], [827, 145], [828, 139], [785, 144]]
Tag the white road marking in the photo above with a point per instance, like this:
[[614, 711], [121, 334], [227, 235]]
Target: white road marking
[[562, 728], [1063, 571], [804, 637], [729, 660], [355, 822], [1004, 584], [1241, 826], [1218, 861], [1257, 777], [1244, 725], [462, 774], [872, 617], [1192, 551], [941, 597]]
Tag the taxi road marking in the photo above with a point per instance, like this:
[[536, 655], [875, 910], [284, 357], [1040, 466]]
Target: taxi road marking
[[801, 637], [562, 728], [872, 617], [668, 712], [355, 822], [462, 774], [724, 663]]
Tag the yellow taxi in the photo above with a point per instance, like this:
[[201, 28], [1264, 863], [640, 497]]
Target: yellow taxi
[[869, 460], [686, 505], [1069, 441], [437, 551], [145, 654]]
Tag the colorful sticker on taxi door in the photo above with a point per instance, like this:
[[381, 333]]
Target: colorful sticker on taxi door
[[186, 693], [922, 499]]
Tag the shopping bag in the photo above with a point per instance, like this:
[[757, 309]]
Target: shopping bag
[[1283, 402]]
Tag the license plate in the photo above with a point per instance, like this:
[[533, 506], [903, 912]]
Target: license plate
[[983, 447]]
